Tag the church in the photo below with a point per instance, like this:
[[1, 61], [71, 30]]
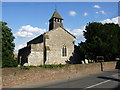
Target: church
[[53, 47]]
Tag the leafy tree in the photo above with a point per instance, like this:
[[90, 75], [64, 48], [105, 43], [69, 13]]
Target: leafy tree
[[101, 40], [7, 46]]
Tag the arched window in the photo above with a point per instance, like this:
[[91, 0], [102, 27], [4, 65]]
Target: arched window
[[64, 51]]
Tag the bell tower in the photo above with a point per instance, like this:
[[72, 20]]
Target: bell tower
[[55, 21]]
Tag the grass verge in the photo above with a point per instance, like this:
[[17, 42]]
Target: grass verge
[[43, 66]]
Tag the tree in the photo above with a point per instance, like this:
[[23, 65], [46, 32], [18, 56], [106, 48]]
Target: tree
[[7, 46], [101, 40]]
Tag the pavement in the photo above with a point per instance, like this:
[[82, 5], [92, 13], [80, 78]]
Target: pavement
[[108, 80]]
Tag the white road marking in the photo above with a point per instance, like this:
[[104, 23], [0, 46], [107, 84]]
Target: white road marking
[[98, 84]]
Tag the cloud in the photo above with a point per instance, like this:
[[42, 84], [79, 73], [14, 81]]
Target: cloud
[[72, 13], [85, 14], [96, 12], [32, 29], [47, 24], [96, 6], [113, 20], [23, 34], [28, 31], [78, 33], [101, 12], [19, 47]]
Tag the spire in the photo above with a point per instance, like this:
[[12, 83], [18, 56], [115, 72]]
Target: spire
[[55, 21], [56, 15]]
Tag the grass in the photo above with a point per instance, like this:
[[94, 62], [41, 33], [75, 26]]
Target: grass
[[53, 65], [43, 66], [25, 67]]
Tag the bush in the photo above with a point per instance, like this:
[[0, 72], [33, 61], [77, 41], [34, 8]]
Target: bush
[[52, 65], [25, 67], [44, 66], [10, 63]]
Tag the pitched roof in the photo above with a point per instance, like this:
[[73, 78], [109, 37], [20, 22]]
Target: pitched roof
[[56, 15], [63, 29], [42, 35], [35, 40], [68, 32]]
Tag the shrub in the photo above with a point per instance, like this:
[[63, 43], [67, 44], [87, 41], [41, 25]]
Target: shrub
[[52, 65], [25, 67]]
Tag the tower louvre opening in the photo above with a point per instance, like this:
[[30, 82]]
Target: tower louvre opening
[[55, 21]]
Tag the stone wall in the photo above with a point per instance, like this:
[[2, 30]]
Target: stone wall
[[16, 77], [57, 39], [36, 56], [109, 65], [31, 55], [23, 55]]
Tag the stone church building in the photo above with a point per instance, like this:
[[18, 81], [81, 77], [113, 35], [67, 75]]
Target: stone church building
[[53, 47]]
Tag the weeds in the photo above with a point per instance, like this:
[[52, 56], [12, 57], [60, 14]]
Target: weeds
[[25, 67], [51, 66], [43, 66]]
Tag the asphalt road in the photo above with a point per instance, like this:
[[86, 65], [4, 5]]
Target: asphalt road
[[108, 80]]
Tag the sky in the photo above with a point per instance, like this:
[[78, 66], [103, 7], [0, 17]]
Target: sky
[[30, 19], [59, 0]]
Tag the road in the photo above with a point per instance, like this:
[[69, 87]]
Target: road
[[108, 80]]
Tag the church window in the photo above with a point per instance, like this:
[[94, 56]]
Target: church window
[[64, 51]]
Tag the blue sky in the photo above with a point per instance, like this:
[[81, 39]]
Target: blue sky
[[30, 19]]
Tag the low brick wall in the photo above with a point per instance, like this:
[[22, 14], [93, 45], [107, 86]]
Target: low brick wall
[[16, 77]]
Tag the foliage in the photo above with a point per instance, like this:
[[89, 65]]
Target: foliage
[[43, 66], [7, 46], [25, 67], [51, 66], [101, 40]]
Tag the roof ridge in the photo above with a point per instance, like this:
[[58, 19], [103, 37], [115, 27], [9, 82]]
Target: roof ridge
[[62, 28]]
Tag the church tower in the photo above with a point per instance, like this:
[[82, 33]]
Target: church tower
[[55, 21]]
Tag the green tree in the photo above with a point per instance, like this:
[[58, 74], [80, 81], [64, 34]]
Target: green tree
[[7, 46], [101, 40]]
